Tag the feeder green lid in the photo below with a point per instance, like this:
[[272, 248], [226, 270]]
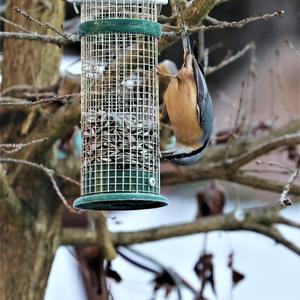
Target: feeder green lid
[[138, 26]]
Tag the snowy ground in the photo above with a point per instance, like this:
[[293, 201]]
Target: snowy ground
[[272, 271]]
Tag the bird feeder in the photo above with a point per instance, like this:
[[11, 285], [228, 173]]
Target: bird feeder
[[120, 163]]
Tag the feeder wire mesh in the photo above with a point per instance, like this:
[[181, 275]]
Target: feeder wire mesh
[[119, 110]]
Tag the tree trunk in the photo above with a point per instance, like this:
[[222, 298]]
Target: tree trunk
[[28, 240], [32, 63], [27, 250]]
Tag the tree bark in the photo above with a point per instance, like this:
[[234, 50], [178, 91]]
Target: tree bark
[[26, 253], [32, 63], [29, 238]]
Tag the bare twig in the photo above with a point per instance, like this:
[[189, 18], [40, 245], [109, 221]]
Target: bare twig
[[136, 263], [213, 21], [50, 173], [281, 83], [272, 93], [24, 89], [230, 59], [274, 234], [14, 25], [284, 199], [267, 171], [238, 114], [239, 24], [235, 127], [288, 222], [249, 108], [292, 47], [59, 41], [146, 268], [264, 148], [67, 178], [175, 277], [45, 25], [62, 120], [222, 24], [7, 101], [260, 183], [275, 164], [11, 148]]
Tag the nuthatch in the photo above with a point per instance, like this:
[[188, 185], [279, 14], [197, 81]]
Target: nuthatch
[[190, 110]]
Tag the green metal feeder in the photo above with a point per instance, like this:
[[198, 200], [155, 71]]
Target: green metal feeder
[[120, 165]]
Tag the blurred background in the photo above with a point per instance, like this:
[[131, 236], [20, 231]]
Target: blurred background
[[267, 270]]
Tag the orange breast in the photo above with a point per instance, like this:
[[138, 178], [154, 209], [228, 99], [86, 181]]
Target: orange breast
[[181, 105]]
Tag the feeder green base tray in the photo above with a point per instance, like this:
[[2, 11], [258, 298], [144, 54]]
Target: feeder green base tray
[[120, 201]]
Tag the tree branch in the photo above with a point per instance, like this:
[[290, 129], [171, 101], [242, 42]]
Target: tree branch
[[197, 11], [209, 168], [230, 59], [104, 242], [79, 237], [193, 14], [11, 148], [264, 148], [41, 24], [255, 219], [8, 101], [260, 183], [284, 199], [50, 173], [61, 121], [285, 221], [59, 41], [23, 29], [245, 143], [222, 24], [275, 235]]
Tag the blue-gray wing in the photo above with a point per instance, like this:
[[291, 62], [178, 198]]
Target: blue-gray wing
[[205, 106]]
